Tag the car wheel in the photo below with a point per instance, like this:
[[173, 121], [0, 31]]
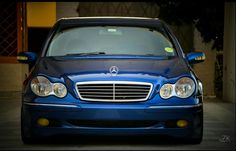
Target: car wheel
[[26, 135], [197, 134], [195, 141], [27, 140]]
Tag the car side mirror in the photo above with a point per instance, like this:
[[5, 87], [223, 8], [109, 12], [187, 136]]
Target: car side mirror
[[27, 57], [195, 57]]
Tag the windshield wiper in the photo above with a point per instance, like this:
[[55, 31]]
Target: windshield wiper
[[86, 53]]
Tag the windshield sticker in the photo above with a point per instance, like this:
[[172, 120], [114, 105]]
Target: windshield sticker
[[168, 49], [111, 30]]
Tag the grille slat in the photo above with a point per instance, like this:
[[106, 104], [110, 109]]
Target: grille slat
[[96, 89], [118, 96], [97, 95], [114, 91], [94, 92], [130, 90]]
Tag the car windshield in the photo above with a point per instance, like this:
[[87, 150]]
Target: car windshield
[[111, 40]]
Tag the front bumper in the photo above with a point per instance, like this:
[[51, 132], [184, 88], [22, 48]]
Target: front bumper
[[110, 119]]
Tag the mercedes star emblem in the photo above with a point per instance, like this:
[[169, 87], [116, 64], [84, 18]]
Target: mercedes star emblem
[[114, 70]]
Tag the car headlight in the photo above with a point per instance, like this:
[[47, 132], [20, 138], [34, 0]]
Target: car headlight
[[184, 87], [166, 91], [41, 86], [59, 90]]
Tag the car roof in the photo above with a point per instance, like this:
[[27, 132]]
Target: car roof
[[107, 17], [109, 20]]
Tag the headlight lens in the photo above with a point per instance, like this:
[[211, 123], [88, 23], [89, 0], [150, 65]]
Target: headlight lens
[[59, 90], [184, 87], [166, 91], [41, 86]]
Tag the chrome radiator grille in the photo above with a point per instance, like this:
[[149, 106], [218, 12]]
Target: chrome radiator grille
[[114, 91]]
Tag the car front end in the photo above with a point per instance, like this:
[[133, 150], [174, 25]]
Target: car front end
[[112, 94]]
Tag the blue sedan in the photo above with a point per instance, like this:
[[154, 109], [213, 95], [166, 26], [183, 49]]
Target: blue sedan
[[111, 76]]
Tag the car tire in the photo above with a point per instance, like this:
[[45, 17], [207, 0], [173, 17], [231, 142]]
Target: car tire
[[197, 134], [195, 141], [26, 138]]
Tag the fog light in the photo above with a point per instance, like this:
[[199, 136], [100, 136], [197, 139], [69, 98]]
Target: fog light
[[182, 123], [43, 122]]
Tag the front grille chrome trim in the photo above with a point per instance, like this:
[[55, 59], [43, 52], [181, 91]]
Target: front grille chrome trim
[[113, 91]]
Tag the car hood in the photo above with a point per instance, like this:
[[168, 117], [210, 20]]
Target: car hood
[[58, 67]]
